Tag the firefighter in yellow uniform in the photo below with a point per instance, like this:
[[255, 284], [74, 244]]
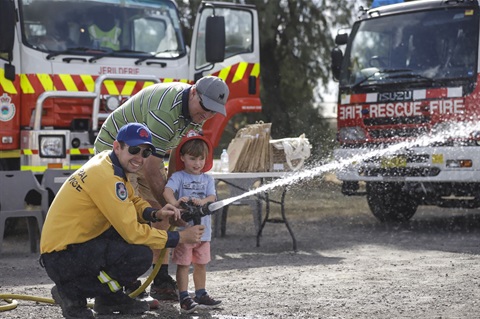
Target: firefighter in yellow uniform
[[104, 32], [96, 239]]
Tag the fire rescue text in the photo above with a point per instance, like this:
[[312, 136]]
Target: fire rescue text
[[417, 108]]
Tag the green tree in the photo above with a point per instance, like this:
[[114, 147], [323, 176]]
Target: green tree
[[295, 56], [295, 44]]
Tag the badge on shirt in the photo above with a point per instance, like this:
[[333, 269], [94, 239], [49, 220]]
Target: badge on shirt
[[121, 190]]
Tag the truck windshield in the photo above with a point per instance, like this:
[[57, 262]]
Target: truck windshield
[[416, 47], [127, 27]]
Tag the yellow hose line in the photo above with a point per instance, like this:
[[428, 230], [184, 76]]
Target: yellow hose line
[[11, 299]]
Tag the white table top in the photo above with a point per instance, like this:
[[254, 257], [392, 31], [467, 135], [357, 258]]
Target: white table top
[[221, 175]]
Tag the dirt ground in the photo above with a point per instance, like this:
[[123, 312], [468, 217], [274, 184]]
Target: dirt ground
[[348, 265]]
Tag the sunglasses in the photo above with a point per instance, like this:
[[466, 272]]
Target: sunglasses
[[203, 106], [134, 150]]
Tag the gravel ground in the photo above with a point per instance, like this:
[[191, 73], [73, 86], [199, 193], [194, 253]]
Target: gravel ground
[[348, 265]]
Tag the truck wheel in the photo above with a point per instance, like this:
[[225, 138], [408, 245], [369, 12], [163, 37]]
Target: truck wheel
[[389, 203]]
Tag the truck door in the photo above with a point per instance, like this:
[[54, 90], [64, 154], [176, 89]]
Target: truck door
[[239, 67]]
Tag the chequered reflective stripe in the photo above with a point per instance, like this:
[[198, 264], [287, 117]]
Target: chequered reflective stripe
[[7, 85], [81, 151], [41, 82], [255, 70], [29, 152], [73, 151], [35, 169], [421, 94], [113, 285], [43, 168], [26, 85], [46, 82], [234, 73]]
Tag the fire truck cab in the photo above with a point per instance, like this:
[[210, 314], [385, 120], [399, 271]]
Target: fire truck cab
[[408, 106], [66, 64]]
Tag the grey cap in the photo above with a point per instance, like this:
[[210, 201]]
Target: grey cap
[[213, 93]]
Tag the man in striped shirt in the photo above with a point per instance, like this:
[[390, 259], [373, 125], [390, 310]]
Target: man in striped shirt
[[169, 110]]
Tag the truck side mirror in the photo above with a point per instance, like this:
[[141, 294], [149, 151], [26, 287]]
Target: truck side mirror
[[215, 39], [7, 26], [7, 34], [337, 58], [341, 39]]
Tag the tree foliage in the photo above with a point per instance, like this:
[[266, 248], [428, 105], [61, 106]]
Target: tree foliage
[[295, 45]]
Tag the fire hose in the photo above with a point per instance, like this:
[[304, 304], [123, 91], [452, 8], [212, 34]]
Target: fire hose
[[191, 212]]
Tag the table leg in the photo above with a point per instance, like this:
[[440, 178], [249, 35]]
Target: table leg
[[223, 224], [283, 220], [265, 220], [286, 221]]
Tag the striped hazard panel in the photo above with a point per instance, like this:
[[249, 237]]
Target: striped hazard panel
[[73, 151], [41, 82], [238, 71], [416, 95]]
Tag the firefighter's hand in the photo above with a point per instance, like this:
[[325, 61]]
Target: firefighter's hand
[[171, 212], [192, 235]]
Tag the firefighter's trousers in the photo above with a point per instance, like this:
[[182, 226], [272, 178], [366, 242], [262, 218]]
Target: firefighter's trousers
[[98, 267]]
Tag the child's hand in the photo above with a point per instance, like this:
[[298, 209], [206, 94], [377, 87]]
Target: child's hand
[[197, 201], [183, 199]]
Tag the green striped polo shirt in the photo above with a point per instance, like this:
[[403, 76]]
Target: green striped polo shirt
[[157, 106]]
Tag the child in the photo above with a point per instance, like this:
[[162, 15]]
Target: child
[[193, 158]]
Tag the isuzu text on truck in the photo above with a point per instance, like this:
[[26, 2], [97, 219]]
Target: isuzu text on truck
[[66, 64], [410, 70]]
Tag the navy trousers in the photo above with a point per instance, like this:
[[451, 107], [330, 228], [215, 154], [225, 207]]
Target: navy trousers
[[75, 269]]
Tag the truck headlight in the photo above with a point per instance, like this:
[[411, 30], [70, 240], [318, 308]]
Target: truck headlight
[[476, 137], [52, 146], [355, 133], [113, 102]]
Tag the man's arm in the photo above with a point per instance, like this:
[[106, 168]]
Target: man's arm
[[154, 173], [172, 162]]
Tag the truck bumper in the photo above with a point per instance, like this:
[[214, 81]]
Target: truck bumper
[[416, 164]]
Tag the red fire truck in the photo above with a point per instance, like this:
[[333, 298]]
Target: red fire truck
[[409, 70], [66, 64]]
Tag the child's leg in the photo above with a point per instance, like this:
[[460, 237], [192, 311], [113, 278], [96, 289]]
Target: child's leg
[[182, 256], [200, 259], [199, 276], [182, 277], [201, 295]]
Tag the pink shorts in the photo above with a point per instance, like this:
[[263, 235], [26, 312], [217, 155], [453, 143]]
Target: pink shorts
[[186, 254]]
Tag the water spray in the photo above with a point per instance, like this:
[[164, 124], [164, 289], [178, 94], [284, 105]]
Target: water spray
[[452, 130]]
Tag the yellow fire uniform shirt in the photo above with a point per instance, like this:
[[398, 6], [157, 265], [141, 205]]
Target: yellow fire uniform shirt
[[94, 198]]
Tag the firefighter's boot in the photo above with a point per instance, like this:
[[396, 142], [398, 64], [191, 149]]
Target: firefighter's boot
[[119, 302]]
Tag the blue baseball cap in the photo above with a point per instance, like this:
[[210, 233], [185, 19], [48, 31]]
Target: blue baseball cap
[[134, 134]]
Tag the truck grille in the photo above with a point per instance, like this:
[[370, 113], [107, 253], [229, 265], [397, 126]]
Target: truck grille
[[396, 120], [409, 158], [405, 132], [400, 172]]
